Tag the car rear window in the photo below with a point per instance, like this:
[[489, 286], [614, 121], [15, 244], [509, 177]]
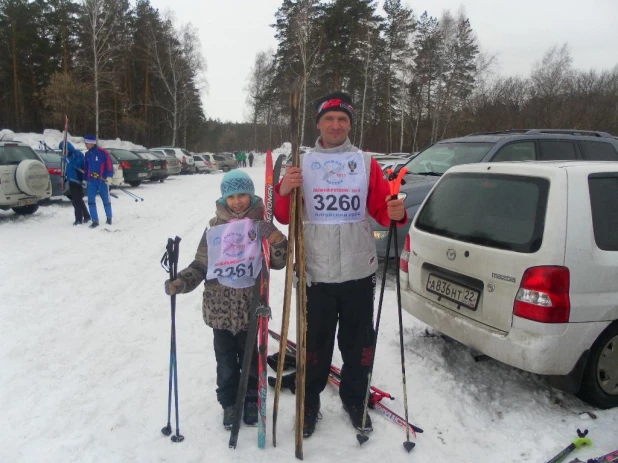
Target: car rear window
[[13, 155], [124, 155], [603, 200], [218, 157], [50, 156], [499, 211], [440, 157], [599, 151]]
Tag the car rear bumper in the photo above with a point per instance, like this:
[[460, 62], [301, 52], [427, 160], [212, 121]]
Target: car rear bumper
[[174, 170], [130, 176], [546, 349], [159, 173]]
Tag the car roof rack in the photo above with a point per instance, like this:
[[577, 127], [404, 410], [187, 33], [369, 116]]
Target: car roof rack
[[582, 133]]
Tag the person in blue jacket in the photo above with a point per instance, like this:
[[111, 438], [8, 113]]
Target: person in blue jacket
[[99, 171], [74, 175]]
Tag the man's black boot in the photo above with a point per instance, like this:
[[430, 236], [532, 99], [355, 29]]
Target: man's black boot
[[356, 415]]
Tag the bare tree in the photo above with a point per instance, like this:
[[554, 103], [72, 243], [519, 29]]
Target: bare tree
[[258, 90], [176, 62], [304, 29], [99, 17]]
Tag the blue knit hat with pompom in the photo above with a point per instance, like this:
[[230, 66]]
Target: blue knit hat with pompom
[[236, 182]]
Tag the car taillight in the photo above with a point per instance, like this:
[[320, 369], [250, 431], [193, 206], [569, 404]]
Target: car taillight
[[405, 255], [149, 165], [165, 164], [184, 160], [543, 295], [125, 165], [207, 163], [54, 171]]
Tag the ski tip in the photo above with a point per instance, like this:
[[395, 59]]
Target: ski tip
[[361, 438], [408, 445]]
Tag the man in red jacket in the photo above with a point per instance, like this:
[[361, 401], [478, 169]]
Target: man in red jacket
[[342, 188]]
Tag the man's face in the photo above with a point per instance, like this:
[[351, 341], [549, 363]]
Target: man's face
[[89, 145], [334, 127]]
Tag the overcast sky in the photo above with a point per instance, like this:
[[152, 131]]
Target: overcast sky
[[518, 32]]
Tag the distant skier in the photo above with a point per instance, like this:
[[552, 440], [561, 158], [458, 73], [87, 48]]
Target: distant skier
[[74, 175], [99, 172]]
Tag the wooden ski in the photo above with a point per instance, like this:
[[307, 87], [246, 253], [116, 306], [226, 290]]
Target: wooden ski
[[301, 287], [289, 280]]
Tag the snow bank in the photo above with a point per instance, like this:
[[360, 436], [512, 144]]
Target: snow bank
[[53, 137]]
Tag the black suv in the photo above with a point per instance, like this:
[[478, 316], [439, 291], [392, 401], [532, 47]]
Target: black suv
[[510, 145]]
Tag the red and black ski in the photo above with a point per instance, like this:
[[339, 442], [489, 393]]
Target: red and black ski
[[269, 200], [258, 325], [376, 394]]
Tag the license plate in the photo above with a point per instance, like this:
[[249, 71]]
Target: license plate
[[142, 175], [26, 202], [455, 292], [156, 167]]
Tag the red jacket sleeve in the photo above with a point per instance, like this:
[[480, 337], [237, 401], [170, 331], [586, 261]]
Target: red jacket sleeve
[[379, 189], [282, 206]]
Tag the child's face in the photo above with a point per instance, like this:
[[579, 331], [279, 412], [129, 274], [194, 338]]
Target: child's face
[[238, 203]]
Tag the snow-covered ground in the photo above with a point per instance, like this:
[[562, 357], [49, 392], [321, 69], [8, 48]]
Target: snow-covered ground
[[85, 355]]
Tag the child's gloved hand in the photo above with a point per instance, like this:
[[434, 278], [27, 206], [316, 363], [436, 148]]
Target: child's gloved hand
[[270, 232], [174, 287]]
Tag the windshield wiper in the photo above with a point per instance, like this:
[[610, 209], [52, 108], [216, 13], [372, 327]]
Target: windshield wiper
[[433, 174]]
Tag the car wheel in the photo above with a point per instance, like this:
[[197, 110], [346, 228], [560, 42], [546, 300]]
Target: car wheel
[[26, 210], [135, 183], [225, 169], [161, 180], [600, 381]]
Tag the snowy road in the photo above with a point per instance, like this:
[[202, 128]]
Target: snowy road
[[85, 351]]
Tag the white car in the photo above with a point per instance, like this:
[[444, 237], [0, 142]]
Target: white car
[[202, 165], [188, 164], [24, 179], [519, 261]]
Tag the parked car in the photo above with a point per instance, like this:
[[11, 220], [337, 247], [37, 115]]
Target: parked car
[[202, 165], [118, 177], [134, 169], [53, 162], [24, 180], [221, 161], [159, 166], [520, 262], [515, 145], [185, 158], [174, 166]]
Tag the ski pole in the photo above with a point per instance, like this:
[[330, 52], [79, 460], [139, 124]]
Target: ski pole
[[131, 194], [395, 186], [580, 441], [170, 263], [361, 437]]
